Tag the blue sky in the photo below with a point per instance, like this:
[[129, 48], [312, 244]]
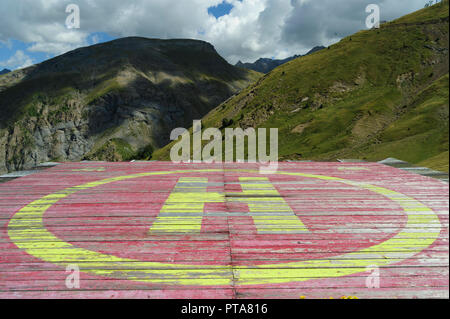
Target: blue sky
[[221, 9], [32, 31]]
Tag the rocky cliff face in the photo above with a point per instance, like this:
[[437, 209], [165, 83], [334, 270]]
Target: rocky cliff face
[[113, 101]]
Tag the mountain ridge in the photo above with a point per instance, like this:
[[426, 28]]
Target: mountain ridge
[[265, 65]]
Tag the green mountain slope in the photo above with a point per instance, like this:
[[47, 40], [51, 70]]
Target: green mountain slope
[[113, 101], [376, 94]]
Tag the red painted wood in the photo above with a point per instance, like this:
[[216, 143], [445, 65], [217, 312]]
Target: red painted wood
[[115, 219]]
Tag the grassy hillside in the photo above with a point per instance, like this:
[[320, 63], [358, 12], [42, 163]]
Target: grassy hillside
[[376, 94]]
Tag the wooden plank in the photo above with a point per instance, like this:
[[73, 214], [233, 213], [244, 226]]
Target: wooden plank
[[205, 293]]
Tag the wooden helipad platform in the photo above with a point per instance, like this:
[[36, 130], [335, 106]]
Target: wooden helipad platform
[[160, 230]]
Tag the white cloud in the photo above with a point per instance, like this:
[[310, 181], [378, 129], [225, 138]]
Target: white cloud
[[323, 22], [18, 61], [253, 28]]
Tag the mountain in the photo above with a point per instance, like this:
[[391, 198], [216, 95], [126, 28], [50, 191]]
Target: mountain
[[376, 94], [265, 65], [4, 71], [112, 101]]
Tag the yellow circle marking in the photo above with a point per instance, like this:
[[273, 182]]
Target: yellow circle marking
[[27, 231]]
